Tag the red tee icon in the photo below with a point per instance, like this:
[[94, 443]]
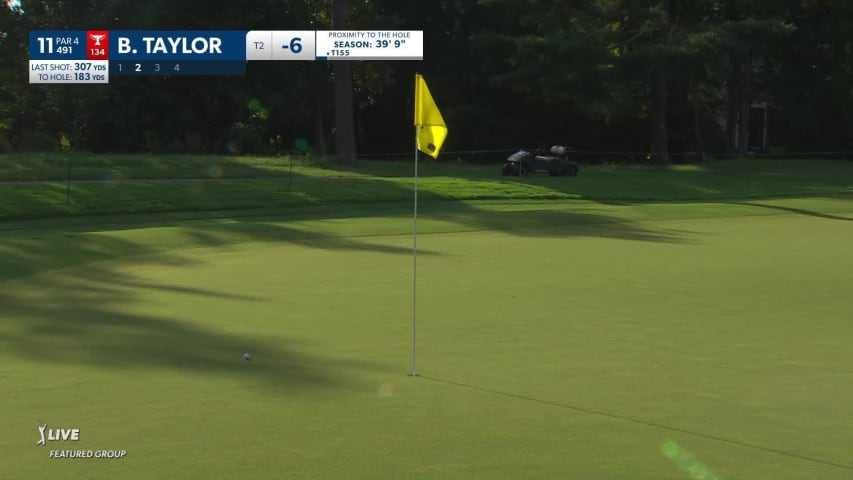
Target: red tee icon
[[97, 45]]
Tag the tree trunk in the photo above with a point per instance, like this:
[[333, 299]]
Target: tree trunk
[[319, 130], [733, 93], [697, 129], [695, 86], [745, 104], [660, 134], [743, 126], [344, 123]]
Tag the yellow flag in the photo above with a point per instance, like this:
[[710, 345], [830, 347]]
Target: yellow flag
[[431, 128]]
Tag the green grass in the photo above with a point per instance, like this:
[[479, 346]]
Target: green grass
[[557, 339], [82, 166], [114, 186]]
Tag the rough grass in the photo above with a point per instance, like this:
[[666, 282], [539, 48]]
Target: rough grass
[[146, 184]]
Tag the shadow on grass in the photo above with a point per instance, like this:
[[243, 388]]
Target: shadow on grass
[[82, 316], [168, 288], [721, 181], [25, 255], [95, 317], [22, 256], [21, 253], [43, 167], [247, 229], [91, 315], [799, 211], [554, 223], [718, 180]]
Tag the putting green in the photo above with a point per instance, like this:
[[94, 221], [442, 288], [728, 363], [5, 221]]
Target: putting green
[[554, 341]]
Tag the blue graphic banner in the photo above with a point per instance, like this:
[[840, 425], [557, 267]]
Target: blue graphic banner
[[58, 45], [217, 45]]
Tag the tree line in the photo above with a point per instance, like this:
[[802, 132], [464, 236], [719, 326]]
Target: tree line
[[660, 77]]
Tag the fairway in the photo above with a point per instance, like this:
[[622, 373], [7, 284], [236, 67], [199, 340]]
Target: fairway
[[555, 340]]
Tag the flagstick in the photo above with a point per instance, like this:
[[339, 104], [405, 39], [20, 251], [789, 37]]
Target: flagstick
[[415, 267]]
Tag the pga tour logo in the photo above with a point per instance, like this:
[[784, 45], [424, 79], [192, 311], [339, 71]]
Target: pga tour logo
[[72, 435], [57, 434]]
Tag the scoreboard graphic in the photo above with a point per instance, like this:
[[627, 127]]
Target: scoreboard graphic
[[93, 56]]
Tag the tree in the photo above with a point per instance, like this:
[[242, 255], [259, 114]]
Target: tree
[[658, 76], [344, 120]]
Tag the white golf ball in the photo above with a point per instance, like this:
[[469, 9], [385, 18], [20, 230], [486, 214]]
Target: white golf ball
[[246, 356]]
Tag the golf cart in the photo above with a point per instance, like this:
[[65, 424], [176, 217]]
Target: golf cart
[[524, 162]]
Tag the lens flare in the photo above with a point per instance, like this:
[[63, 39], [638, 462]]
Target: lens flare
[[687, 462]]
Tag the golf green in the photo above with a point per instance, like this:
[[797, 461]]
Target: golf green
[[554, 340]]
